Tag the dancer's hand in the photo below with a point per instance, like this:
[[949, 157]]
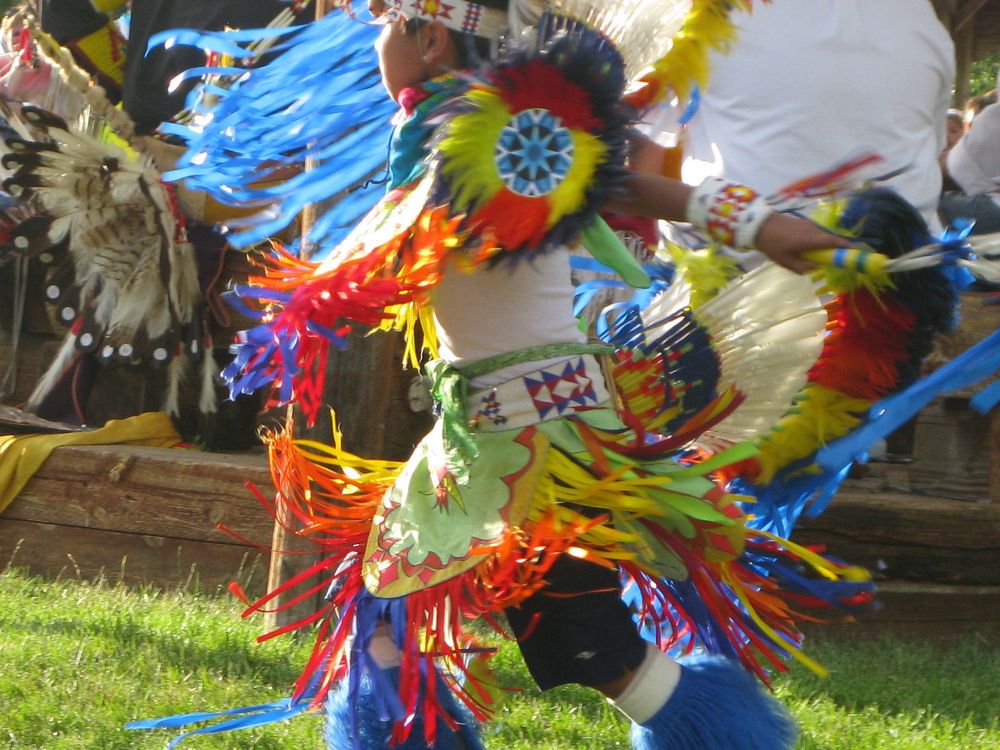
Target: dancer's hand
[[783, 239]]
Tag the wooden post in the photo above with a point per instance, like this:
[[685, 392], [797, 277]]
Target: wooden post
[[964, 41], [995, 455], [290, 554], [368, 392]]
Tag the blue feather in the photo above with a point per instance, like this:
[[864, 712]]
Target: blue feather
[[986, 399], [237, 718]]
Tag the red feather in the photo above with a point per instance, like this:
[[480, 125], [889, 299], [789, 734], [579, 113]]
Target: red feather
[[538, 85], [868, 339]]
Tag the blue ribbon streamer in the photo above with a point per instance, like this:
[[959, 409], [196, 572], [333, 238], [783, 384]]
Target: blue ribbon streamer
[[320, 99], [975, 364]]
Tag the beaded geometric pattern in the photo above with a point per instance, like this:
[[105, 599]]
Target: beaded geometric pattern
[[534, 153], [563, 389], [490, 409]]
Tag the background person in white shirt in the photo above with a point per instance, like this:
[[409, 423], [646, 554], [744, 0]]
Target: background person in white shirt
[[974, 165], [812, 83]]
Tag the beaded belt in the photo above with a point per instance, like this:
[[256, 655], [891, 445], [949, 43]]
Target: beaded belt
[[551, 392]]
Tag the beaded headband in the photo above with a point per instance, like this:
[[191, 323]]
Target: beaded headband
[[467, 18]]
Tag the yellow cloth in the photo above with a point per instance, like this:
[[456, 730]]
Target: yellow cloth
[[107, 6], [23, 455]]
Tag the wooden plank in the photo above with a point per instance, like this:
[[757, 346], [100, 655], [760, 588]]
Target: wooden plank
[[90, 507], [911, 538], [162, 492], [134, 559], [967, 12], [951, 452], [102, 503], [987, 31], [923, 612]]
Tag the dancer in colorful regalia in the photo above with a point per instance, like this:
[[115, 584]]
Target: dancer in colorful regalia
[[559, 472]]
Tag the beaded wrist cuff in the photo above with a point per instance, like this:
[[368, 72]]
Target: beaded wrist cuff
[[728, 213]]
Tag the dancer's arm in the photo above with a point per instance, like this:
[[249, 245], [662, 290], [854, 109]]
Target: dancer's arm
[[781, 237]]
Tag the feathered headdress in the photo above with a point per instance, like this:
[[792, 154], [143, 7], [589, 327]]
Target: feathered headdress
[[127, 285]]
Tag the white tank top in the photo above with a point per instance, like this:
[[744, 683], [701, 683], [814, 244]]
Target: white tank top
[[503, 309]]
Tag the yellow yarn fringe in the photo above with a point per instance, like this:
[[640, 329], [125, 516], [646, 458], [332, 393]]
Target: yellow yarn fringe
[[819, 414], [706, 271], [708, 27], [416, 321]]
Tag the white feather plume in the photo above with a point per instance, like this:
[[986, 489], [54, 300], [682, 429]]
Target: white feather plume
[[767, 327]]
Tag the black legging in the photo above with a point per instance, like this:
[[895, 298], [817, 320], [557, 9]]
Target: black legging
[[577, 629]]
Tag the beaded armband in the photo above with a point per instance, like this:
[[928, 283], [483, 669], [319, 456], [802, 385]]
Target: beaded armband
[[728, 213]]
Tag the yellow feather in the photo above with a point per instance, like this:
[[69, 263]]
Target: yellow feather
[[819, 414], [588, 153], [408, 318], [467, 162], [705, 271], [707, 27]]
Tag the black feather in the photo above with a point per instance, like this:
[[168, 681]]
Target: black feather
[[43, 118], [21, 146], [21, 159], [883, 219]]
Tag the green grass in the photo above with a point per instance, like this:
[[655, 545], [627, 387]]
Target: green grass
[[79, 659]]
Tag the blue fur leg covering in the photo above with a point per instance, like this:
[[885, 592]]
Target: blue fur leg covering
[[717, 706], [374, 731]]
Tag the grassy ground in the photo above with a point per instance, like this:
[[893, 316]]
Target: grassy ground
[[78, 660]]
